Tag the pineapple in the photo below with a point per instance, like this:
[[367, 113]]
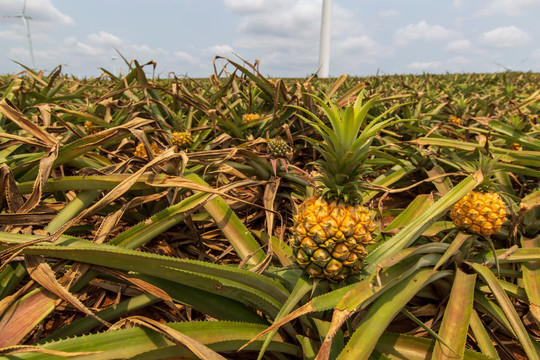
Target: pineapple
[[182, 139], [278, 148], [140, 150], [332, 229], [247, 118], [516, 146], [480, 212], [454, 120], [91, 128]]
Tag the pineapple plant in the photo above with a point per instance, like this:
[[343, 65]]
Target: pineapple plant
[[182, 139], [278, 148], [332, 229]]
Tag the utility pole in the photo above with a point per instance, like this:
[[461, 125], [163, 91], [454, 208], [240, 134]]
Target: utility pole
[[324, 47]]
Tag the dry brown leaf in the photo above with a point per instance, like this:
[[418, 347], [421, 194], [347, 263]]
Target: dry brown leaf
[[40, 271], [26, 219], [45, 166], [45, 110], [11, 112], [25, 140], [111, 196], [8, 186], [141, 284], [227, 169], [303, 310], [338, 318], [269, 197], [139, 134], [18, 321]]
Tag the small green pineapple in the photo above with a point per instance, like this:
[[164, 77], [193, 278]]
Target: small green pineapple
[[278, 148]]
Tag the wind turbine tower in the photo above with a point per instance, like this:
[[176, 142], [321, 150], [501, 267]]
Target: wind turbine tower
[[25, 19], [324, 47]]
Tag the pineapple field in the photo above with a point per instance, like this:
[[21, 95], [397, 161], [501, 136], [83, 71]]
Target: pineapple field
[[248, 217]]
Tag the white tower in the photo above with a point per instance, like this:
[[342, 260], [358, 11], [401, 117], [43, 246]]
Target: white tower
[[324, 47]]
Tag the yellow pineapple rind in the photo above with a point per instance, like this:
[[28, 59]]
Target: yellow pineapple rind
[[247, 118], [330, 239], [482, 213], [91, 128], [454, 120], [140, 150], [182, 138]]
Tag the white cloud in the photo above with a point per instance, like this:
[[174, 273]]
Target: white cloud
[[145, 50], [12, 35], [285, 34], [505, 37], [509, 7], [41, 11], [424, 66], [85, 49], [462, 45], [287, 19], [363, 45], [220, 50], [251, 6], [19, 53], [388, 14], [185, 57], [104, 38], [458, 60], [422, 31]]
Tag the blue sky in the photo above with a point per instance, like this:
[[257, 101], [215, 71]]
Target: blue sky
[[184, 36]]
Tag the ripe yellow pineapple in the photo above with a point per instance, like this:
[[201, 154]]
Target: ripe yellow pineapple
[[247, 118], [140, 150], [182, 138], [516, 146], [480, 212], [91, 128], [454, 120], [330, 238], [332, 229]]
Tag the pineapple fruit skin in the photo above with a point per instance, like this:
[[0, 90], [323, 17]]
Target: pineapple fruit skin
[[454, 120], [91, 128], [329, 239], [482, 213], [278, 148], [182, 138], [247, 118], [140, 150]]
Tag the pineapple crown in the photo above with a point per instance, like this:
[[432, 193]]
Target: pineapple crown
[[345, 145], [486, 164]]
